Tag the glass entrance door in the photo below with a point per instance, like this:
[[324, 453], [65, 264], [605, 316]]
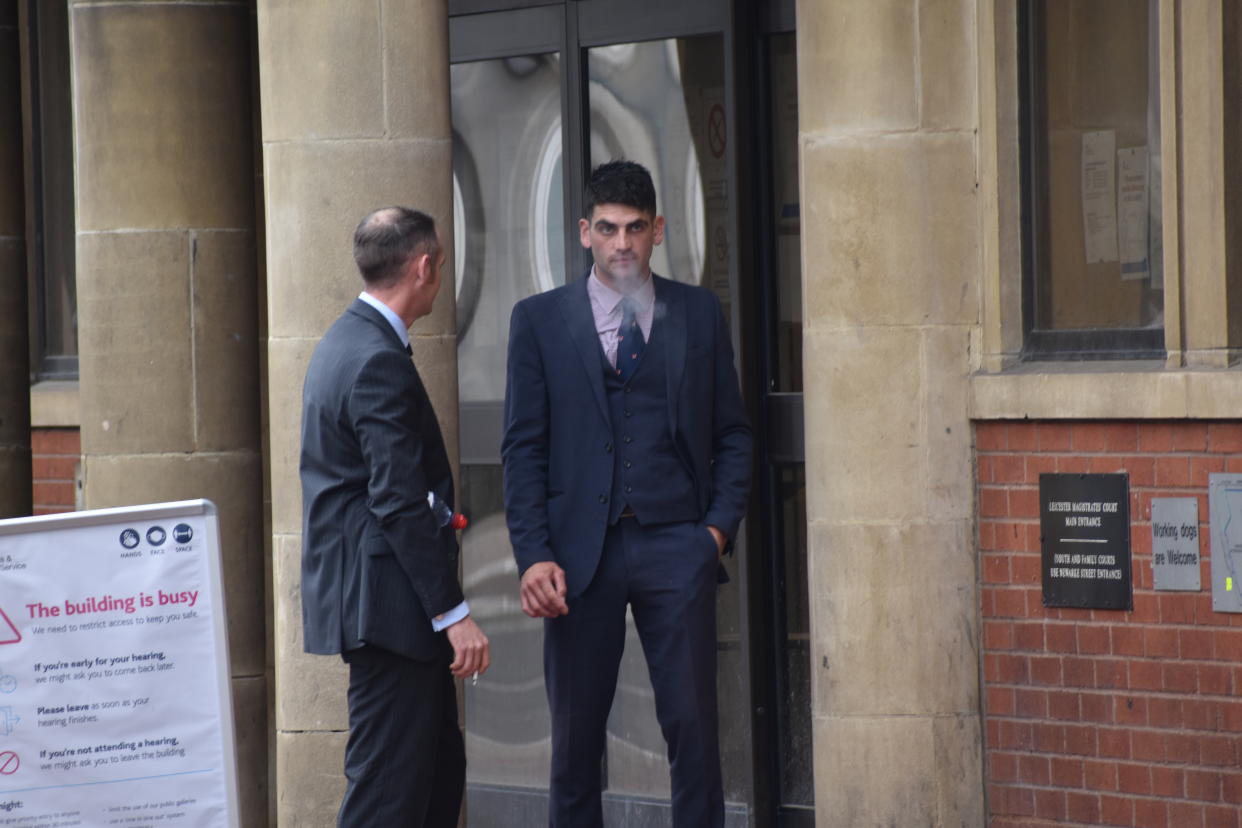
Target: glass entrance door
[[540, 93], [662, 103], [509, 243]]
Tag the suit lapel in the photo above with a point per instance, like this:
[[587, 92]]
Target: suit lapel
[[671, 312], [575, 307]]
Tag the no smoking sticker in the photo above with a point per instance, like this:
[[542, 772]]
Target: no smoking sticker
[[716, 131]]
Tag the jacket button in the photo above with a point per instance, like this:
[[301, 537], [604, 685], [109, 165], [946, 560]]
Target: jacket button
[[628, 464], [627, 389], [628, 414], [603, 498], [628, 439], [608, 447], [628, 490]]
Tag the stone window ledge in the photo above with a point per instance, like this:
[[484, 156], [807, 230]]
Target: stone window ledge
[[1106, 391], [54, 404]]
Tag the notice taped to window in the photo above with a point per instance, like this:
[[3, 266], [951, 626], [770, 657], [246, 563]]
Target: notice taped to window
[[1132, 212], [115, 707], [1084, 522], [1099, 200]]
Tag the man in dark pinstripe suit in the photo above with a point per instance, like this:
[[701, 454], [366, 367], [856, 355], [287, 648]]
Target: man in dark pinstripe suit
[[379, 574]]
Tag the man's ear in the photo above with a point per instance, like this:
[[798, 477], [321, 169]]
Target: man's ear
[[424, 269], [584, 232], [657, 227]]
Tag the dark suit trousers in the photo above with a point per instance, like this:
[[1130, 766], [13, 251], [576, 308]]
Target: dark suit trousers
[[405, 762], [667, 574]]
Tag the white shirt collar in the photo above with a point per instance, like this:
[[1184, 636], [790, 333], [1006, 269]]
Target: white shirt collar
[[389, 314]]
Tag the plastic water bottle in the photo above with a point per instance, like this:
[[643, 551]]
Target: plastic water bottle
[[444, 514]]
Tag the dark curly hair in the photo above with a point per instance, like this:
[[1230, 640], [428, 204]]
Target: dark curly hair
[[620, 182]]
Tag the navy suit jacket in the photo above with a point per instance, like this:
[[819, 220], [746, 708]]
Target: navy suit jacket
[[557, 448], [376, 567]]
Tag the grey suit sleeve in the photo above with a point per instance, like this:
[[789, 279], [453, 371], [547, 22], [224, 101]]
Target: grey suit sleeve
[[388, 407]]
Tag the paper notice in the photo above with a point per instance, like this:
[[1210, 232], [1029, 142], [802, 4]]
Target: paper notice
[[1132, 200], [1099, 215], [1155, 224]]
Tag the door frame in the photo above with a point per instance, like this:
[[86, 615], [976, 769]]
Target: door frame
[[489, 29]]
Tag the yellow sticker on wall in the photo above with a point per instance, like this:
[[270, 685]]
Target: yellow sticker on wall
[[1228, 584]]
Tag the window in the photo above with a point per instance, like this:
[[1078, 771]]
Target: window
[[1092, 247], [54, 354]]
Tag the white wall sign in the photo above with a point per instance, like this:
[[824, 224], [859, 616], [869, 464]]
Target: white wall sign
[[115, 705]]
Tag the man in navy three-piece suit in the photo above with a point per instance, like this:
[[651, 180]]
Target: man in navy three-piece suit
[[627, 464], [379, 573]]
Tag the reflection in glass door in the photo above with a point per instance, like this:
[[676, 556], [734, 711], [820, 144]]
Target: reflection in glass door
[[650, 103], [662, 103], [509, 244], [528, 123]]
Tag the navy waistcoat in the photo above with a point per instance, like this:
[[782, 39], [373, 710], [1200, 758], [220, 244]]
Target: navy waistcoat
[[648, 475]]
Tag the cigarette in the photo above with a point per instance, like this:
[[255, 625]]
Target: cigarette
[[474, 680]]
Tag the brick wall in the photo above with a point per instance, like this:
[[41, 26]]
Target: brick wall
[[55, 452], [1103, 717]]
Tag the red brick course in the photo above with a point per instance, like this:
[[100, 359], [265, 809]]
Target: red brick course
[[55, 453], [1099, 716]]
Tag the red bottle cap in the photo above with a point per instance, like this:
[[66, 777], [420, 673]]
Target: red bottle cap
[[459, 521]]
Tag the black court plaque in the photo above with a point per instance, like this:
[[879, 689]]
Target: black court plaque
[[1084, 523]]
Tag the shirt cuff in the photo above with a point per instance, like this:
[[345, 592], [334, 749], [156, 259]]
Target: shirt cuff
[[451, 617]]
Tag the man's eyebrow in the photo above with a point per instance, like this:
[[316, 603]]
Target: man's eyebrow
[[604, 223]]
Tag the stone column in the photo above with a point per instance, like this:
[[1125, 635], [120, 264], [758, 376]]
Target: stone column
[[891, 260], [1207, 237], [355, 108], [14, 353], [167, 295]]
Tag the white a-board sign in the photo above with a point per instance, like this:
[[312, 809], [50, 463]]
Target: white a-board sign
[[115, 706]]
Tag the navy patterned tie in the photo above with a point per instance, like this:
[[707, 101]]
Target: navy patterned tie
[[630, 342]]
